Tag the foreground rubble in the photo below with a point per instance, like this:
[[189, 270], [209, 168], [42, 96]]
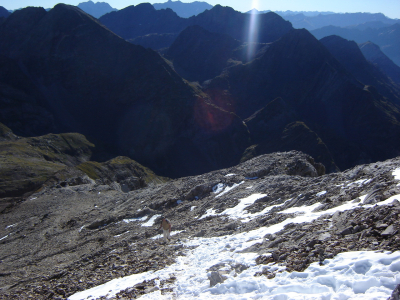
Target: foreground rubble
[[67, 239]]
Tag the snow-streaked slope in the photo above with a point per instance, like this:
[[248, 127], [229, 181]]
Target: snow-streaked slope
[[351, 275]]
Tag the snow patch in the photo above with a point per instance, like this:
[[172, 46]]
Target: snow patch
[[150, 222], [159, 236], [396, 174], [209, 212], [118, 235], [321, 193], [231, 174], [218, 188], [142, 219], [229, 188], [360, 275]]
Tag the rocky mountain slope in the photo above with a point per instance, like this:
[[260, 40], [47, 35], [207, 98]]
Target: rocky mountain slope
[[4, 13], [373, 54], [285, 213], [322, 94], [65, 72], [198, 54], [350, 56], [29, 164]]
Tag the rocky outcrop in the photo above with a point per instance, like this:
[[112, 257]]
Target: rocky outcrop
[[123, 171], [277, 127], [26, 163], [396, 293]]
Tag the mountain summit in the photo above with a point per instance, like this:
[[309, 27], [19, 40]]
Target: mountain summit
[[96, 9], [141, 20], [182, 9]]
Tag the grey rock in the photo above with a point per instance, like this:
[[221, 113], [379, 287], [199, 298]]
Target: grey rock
[[201, 233], [373, 196], [151, 289], [389, 231], [346, 231], [324, 236], [276, 242], [215, 277], [395, 294]]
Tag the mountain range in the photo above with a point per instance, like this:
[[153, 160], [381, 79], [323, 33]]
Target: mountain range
[[182, 9], [96, 9], [387, 38], [144, 20], [288, 91], [336, 19]]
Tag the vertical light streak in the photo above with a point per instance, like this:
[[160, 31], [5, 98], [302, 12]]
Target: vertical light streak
[[253, 31]]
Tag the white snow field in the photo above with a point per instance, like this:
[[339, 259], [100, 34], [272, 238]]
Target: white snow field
[[360, 275]]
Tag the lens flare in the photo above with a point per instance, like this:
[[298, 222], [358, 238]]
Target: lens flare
[[210, 117], [253, 31]]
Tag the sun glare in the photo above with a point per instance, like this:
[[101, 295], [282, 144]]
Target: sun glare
[[253, 31]]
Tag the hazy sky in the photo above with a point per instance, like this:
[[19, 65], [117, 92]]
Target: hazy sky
[[390, 8]]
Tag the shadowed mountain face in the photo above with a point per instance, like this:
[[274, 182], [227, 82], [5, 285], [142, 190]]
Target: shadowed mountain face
[[4, 13], [387, 38], [87, 79], [373, 54], [184, 10], [350, 56], [96, 9], [198, 54], [238, 25], [347, 116], [143, 19]]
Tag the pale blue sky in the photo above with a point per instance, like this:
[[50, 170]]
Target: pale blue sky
[[390, 8]]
